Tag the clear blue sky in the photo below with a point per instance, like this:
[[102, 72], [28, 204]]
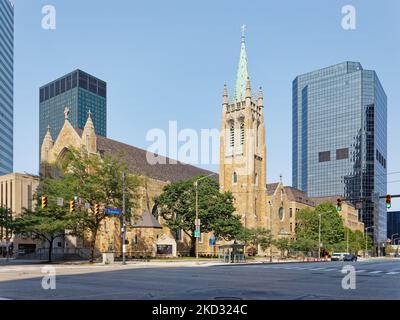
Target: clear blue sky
[[169, 60]]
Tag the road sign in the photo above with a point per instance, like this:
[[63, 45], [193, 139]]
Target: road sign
[[212, 241], [113, 211], [60, 202], [197, 233], [197, 222]]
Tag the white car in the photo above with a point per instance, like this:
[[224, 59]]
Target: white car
[[338, 256]]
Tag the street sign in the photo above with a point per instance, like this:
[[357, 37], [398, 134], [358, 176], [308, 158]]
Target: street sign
[[197, 233], [197, 222], [87, 205], [113, 211], [60, 202], [212, 241]]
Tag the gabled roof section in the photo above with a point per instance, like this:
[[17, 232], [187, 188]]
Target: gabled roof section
[[168, 170], [147, 220]]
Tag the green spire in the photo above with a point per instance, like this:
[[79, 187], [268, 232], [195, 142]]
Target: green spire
[[243, 72]]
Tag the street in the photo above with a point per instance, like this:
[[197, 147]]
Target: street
[[375, 279]]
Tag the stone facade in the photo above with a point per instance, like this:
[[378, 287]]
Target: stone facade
[[143, 240]]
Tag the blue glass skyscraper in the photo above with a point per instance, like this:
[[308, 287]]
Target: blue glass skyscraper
[[6, 86], [340, 139], [82, 93]]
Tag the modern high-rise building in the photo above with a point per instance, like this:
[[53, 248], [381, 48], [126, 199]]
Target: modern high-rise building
[[81, 93], [340, 139], [393, 226], [6, 86]]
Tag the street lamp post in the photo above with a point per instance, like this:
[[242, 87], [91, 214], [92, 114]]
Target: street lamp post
[[366, 240], [270, 229], [319, 236], [123, 221], [396, 234], [197, 224]]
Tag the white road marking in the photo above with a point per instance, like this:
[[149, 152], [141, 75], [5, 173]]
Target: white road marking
[[359, 271], [331, 269], [377, 271], [4, 298], [315, 269], [393, 272]]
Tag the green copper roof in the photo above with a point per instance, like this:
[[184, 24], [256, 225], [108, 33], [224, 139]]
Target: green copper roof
[[242, 73]]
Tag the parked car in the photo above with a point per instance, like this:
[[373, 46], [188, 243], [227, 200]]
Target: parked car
[[350, 257], [338, 256]]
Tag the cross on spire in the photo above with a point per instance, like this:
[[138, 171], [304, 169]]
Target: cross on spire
[[243, 29], [66, 112]]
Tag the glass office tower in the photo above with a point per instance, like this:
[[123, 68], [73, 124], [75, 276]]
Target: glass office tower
[[340, 139], [79, 91], [6, 86]]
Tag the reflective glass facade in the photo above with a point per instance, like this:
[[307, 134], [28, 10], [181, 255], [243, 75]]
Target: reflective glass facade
[[79, 91], [340, 138], [6, 86]]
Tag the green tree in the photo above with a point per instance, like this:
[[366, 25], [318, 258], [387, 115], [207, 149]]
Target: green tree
[[332, 229], [92, 180], [283, 245], [6, 224], [177, 205], [46, 224], [256, 237]]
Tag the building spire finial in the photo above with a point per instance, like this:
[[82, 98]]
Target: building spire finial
[[66, 113], [243, 72]]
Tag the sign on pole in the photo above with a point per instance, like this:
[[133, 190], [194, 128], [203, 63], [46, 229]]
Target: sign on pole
[[113, 211], [197, 233], [60, 202]]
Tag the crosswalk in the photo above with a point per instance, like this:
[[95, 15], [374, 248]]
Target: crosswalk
[[331, 269]]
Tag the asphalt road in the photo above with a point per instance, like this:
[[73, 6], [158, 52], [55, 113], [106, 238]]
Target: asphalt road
[[375, 279]]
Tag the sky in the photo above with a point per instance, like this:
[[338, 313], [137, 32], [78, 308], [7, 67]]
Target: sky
[[168, 61]]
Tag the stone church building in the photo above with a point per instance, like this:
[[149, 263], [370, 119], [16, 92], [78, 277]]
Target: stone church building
[[243, 163]]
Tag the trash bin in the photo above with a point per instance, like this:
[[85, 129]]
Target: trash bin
[[108, 258]]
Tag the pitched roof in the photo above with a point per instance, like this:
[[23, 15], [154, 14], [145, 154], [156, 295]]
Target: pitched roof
[[167, 170], [271, 187], [299, 196], [330, 199], [147, 220]]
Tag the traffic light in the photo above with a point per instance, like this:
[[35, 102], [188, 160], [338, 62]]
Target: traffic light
[[96, 208], [388, 201], [44, 202], [72, 206], [339, 206]]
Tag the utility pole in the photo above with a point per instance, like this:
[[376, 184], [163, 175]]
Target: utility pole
[[270, 229], [319, 237], [123, 221], [366, 240], [197, 222]]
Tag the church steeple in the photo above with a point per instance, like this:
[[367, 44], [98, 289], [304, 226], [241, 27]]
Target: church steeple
[[89, 138], [243, 72], [47, 144]]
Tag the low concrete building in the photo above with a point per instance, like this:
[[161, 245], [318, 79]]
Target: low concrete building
[[17, 192]]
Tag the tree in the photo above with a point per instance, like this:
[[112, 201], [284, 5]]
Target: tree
[[307, 223], [256, 237], [177, 205], [283, 245], [6, 225], [46, 224], [94, 180]]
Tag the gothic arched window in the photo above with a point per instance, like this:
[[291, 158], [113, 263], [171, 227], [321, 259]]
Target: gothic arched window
[[232, 135], [234, 177], [242, 133]]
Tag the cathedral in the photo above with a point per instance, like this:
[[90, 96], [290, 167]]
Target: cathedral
[[242, 171]]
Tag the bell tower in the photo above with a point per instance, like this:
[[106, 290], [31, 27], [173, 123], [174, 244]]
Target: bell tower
[[242, 147]]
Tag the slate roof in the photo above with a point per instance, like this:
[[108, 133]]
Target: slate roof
[[271, 187], [299, 196], [147, 220], [168, 170]]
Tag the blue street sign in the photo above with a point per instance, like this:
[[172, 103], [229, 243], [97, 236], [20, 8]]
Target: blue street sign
[[212, 241], [113, 211]]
